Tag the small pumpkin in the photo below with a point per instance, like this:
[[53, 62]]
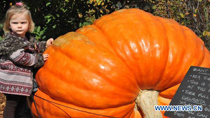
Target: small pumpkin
[[120, 66]]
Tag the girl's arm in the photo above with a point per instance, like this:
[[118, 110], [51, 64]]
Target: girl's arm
[[41, 46], [36, 46], [23, 58]]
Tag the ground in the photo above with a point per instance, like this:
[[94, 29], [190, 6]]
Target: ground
[[2, 104]]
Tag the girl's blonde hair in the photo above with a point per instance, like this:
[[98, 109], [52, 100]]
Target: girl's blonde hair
[[17, 9]]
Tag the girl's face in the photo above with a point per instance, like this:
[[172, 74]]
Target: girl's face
[[19, 24]]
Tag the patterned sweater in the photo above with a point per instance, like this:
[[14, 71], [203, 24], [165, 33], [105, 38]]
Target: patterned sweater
[[18, 56]]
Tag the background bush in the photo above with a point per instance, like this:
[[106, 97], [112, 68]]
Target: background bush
[[57, 17]]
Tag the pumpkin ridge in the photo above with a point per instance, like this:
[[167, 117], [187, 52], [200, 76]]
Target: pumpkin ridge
[[95, 72], [95, 29], [128, 91], [79, 110], [160, 20], [123, 51], [52, 94], [174, 25], [112, 50]]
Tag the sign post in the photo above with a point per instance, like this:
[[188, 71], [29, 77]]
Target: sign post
[[192, 96]]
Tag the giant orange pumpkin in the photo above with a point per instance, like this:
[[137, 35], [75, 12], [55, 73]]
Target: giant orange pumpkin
[[120, 66]]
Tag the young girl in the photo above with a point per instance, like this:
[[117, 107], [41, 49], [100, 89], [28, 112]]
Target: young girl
[[19, 54]]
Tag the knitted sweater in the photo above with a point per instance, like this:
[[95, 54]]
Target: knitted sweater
[[18, 56]]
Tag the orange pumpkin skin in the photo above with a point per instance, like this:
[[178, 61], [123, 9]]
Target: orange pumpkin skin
[[101, 68]]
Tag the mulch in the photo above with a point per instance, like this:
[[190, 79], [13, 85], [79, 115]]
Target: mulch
[[2, 104]]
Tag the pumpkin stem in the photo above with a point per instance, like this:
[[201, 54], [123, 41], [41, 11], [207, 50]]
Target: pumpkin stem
[[146, 101]]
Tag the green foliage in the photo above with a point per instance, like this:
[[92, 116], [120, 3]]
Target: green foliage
[[191, 13], [54, 18], [39, 33], [2, 13]]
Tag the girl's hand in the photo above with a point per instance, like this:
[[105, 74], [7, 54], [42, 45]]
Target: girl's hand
[[49, 42], [45, 57]]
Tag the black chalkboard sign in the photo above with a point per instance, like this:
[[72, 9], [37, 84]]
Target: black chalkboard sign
[[194, 90]]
